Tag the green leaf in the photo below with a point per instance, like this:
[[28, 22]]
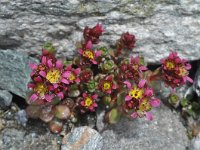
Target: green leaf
[[195, 106], [192, 113], [184, 102], [121, 97], [114, 116]]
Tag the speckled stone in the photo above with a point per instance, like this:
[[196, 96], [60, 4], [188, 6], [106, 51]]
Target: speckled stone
[[14, 71], [163, 133], [159, 26], [82, 138]]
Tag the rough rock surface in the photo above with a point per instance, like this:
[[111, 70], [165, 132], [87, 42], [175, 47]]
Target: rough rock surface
[[195, 143], [18, 139], [15, 72], [159, 25], [164, 132], [196, 85], [5, 99], [82, 138]]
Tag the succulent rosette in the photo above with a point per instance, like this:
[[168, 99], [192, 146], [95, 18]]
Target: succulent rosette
[[127, 41], [175, 70], [132, 70], [89, 54], [93, 34], [107, 85], [140, 100], [88, 102]]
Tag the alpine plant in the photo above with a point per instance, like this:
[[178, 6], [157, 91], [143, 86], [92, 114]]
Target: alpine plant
[[98, 78]]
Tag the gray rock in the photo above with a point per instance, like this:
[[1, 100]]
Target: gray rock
[[82, 138], [14, 71], [196, 84], [5, 99], [19, 139], [195, 143], [163, 133], [21, 117], [159, 26]]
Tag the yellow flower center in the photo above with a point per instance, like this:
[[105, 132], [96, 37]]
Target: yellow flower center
[[89, 54], [182, 71], [170, 65], [106, 86], [135, 67], [40, 89], [145, 106], [53, 75], [72, 77], [136, 93], [88, 101]]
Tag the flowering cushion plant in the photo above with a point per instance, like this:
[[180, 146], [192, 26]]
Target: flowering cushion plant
[[99, 76]]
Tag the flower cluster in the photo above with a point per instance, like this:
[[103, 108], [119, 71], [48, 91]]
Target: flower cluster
[[140, 100], [98, 78], [50, 79], [175, 70]]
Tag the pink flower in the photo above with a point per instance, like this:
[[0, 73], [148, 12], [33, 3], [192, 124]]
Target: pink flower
[[88, 102], [107, 85], [93, 34], [132, 70], [175, 70], [71, 75], [89, 54], [40, 91], [140, 99]]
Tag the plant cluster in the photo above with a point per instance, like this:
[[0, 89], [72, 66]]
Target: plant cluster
[[98, 78]]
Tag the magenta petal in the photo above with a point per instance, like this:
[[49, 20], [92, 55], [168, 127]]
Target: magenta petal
[[149, 116], [137, 60], [77, 80], [44, 60], [114, 86], [77, 71], [154, 102], [69, 67], [94, 62], [66, 74], [134, 115], [128, 98], [42, 73], [89, 45], [95, 105], [80, 51], [31, 85], [142, 83], [94, 96], [33, 66], [149, 92], [82, 103], [58, 64], [98, 53], [65, 81], [109, 91], [60, 95], [55, 86], [49, 97], [128, 84], [189, 79], [38, 79], [84, 95], [34, 97], [143, 68], [49, 62], [188, 66]]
